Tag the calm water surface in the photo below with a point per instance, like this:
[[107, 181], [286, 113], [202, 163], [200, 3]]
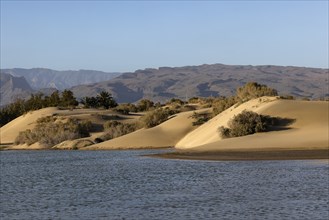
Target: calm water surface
[[123, 185]]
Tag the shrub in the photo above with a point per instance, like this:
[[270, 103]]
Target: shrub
[[27, 137], [253, 90], [194, 100], [126, 108], [175, 101], [49, 132], [288, 97], [246, 123], [200, 118], [156, 117], [144, 105], [223, 103], [98, 140], [116, 129]]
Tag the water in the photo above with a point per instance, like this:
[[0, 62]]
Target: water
[[123, 185]]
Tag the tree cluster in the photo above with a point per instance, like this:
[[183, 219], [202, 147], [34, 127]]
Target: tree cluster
[[102, 100], [37, 101]]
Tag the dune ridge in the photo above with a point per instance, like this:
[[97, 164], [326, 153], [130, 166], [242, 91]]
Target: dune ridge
[[309, 131], [306, 137], [164, 135], [10, 131], [207, 133]]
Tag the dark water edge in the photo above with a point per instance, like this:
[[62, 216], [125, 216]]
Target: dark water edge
[[125, 185], [240, 155]]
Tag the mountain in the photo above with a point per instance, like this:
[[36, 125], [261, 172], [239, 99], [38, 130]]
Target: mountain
[[12, 87], [40, 78], [209, 80]]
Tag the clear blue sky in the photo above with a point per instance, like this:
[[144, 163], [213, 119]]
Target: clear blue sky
[[128, 35]]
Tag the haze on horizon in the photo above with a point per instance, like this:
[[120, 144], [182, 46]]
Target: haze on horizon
[[125, 36]]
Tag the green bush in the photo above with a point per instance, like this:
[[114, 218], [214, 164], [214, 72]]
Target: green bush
[[49, 132], [156, 117], [246, 123]]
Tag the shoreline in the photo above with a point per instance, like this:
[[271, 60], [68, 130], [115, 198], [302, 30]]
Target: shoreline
[[248, 155]]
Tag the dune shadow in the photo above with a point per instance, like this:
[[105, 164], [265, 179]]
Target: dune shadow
[[279, 124]]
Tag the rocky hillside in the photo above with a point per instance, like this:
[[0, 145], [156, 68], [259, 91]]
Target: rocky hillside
[[209, 80], [39, 78], [12, 87]]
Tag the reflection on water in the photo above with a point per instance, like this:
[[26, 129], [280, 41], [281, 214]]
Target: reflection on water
[[123, 185]]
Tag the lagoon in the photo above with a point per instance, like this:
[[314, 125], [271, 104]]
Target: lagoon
[[126, 185]]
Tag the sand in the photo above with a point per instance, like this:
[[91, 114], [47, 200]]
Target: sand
[[207, 133], [309, 133], [305, 138], [164, 135], [28, 121], [10, 131]]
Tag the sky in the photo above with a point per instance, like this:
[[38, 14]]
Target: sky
[[122, 36]]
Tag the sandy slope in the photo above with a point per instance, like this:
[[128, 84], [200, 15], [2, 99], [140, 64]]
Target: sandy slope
[[166, 134], [309, 131], [9, 132], [28, 121], [207, 133]]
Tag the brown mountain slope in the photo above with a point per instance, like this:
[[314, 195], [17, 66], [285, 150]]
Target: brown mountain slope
[[209, 80], [12, 87], [40, 78]]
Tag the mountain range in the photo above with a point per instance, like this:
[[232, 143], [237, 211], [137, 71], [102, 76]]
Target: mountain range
[[20, 83], [209, 80], [12, 87], [164, 83], [40, 78]]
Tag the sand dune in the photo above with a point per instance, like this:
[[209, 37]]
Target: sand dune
[[309, 131], [166, 134], [207, 133], [9, 132], [28, 121], [308, 134]]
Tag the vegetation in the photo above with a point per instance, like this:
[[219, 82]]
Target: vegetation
[[246, 123], [50, 131], [35, 102], [175, 101], [145, 105], [200, 118], [114, 129], [68, 99], [126, 108], [289, 97], [102, 100], [156, 117], [223, 103], [253, 90], [245, 93]]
